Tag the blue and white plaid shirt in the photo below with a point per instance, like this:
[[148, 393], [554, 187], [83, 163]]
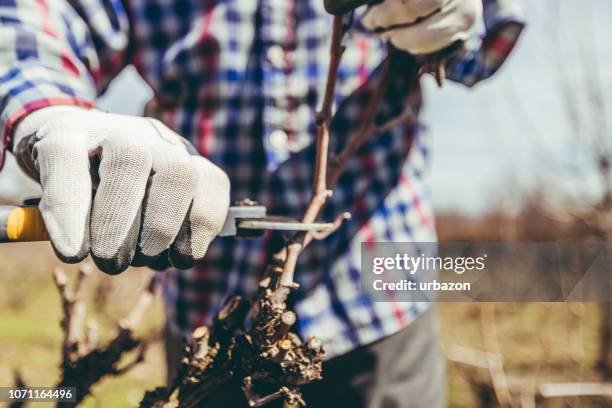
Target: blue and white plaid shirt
[[243, 79]]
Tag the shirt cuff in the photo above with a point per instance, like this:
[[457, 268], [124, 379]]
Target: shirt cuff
[[23, 91], [499, 12]]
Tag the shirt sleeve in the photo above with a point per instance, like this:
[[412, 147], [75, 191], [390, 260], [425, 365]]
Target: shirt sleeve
[[504, 21], [57, 52]]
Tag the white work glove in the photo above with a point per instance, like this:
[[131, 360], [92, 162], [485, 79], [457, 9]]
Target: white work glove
[[423, 26], [154, 202]]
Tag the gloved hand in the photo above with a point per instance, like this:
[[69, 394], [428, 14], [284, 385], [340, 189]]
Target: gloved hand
[[423, 26], [154, 202]]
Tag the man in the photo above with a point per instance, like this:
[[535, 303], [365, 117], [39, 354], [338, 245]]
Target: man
[[242, 80]]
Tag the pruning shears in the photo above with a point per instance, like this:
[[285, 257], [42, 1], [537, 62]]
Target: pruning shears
[[246, 219]]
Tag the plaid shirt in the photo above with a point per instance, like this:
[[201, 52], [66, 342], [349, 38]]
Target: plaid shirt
[[242, 80]]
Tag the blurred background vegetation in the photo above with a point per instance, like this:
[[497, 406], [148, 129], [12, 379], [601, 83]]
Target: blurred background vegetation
[[30, 333]]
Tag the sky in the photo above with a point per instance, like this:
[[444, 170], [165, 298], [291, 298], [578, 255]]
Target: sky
[[509, 135]]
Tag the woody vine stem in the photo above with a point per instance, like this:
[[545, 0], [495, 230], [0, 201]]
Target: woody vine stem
[[288, 256]]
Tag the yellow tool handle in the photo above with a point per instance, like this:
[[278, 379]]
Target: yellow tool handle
[[22, 224]]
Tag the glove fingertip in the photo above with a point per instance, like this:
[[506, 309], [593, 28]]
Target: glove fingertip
[[181, 260], [113, 259], [71, 245], [182, 254], [112, 266], [71, 259], [159, 262]]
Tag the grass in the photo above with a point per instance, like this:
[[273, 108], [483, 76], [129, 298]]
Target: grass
[[549, 342]]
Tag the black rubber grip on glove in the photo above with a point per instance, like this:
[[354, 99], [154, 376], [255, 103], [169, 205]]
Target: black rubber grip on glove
[[339, 7]]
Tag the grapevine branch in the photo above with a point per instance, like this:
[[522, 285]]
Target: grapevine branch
[[320, 190], [269, 352]]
